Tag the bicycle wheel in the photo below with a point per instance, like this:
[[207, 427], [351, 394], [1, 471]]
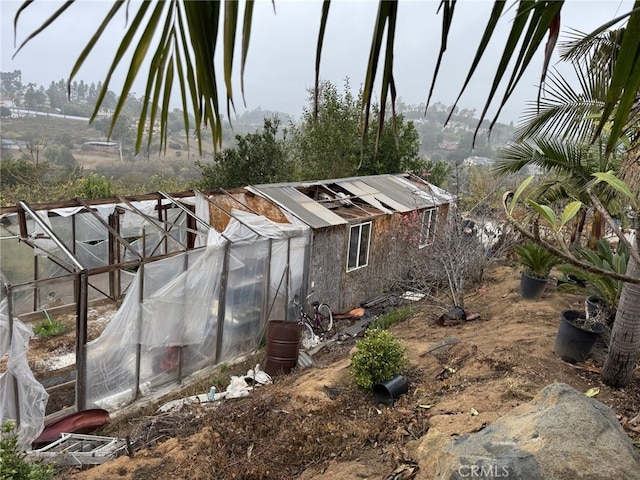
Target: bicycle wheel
[[308, 338], [325, 317]]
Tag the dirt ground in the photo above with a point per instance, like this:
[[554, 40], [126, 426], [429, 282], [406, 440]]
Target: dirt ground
[[313, 423]]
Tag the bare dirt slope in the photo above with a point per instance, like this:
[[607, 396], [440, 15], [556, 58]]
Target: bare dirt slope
[[313, 424]]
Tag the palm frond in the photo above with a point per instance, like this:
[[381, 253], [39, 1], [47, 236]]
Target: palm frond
[[564, 111]]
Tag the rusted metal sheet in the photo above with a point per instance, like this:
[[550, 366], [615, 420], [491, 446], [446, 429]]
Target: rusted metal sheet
[[306, 209], [373, 197], [408, 193]]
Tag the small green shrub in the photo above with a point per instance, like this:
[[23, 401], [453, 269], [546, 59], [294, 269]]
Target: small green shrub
[[379, 357], [385, 321], [13, 464], [49, 328]]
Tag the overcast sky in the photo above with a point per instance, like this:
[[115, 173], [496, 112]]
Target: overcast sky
[[280, 66]]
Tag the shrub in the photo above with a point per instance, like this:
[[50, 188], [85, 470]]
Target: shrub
[[385, 321], [378, 358], [13, 464], [49, 328]]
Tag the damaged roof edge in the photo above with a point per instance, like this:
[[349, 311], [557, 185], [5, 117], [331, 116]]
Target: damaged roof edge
[[386, 193]]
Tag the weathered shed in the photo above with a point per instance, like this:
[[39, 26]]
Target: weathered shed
[[354, 223]]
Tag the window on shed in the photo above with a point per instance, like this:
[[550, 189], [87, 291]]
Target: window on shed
[[359, 240], [428, 231]]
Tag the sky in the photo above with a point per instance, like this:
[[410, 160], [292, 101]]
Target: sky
[[280, 67]]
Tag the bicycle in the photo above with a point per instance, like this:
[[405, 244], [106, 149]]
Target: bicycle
[[321, 321]]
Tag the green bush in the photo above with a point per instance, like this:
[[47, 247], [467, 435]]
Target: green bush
[[385, 321], [13, 464], [378, 358]]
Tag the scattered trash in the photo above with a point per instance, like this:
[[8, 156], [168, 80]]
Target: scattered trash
[[310, 341], [389, 391], [85, 421], [78, 449], [305, 360], [425, 406], [454, 316], [239, 386], [446, 341], [355, 313], [474, 412], [412, 296], [258, 376], [212, 394], [592, 392]]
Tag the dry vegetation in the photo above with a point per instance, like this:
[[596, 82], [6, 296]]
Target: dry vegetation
[[313, 423]]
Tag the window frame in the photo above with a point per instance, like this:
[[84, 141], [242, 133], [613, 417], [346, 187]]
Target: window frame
[[358, 263], [431, 225]]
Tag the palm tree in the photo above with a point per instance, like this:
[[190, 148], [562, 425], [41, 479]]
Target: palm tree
[[557, 131], [624, 346], [557, 137]]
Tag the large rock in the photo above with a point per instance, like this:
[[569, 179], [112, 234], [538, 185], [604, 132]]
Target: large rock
[[561, 434]]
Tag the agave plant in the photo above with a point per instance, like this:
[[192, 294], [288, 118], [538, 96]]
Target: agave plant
[[600, 286]]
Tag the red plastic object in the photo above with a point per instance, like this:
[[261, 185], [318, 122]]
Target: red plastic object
[[86, 421]]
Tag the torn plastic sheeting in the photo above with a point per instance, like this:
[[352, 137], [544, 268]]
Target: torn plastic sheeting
[[32, 397]]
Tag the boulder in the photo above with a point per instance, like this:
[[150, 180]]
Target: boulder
[[561, 434]]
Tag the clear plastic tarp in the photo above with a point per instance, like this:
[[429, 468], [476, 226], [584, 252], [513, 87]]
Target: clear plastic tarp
[[17, 382], [167, 327], [189, 310]]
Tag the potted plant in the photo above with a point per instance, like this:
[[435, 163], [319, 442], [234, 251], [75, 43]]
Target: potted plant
[[537, 262], [576, 335], [602, 292]]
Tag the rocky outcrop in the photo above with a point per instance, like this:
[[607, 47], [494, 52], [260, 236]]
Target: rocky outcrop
[[561, 434]]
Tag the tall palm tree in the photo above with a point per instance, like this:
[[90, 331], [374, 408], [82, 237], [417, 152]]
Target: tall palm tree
[[557, 131], [624, 346]]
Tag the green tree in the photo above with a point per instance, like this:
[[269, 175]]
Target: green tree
[[329, 144], [11, 84], [94, 186], [260, 157], [60, 156]]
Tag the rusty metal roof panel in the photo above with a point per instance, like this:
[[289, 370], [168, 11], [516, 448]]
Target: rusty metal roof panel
[[406, 193], [373, 197], [306, 209]]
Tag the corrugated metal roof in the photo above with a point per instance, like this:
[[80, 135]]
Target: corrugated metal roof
[[404, 191], [306, 209], [387, 193]]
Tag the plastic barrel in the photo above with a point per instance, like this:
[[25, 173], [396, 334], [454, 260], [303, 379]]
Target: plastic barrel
[[283, 344]]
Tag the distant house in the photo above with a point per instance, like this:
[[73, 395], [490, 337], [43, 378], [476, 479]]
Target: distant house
[[101, 146], [354, 249], [14, 144], [6, 102]]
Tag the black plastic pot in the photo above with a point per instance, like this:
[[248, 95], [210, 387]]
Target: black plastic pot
[[387, 392], [455, 314], [532, 288], [573, 343], [596, 307]]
